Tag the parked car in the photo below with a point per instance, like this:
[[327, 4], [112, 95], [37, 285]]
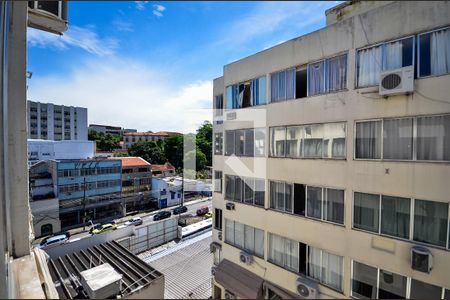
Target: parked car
[[54, 240], [104, 228], [179, 210], [162, 215], [202, 210], [135, 221], [94, 227], [208, 215]]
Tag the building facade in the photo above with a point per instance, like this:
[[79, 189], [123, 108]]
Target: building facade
[[324, 187], [133, 137], [164, 170], [58, 150], [114, 130], [49, 121]]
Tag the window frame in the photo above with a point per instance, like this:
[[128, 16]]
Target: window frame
[[418, 51], [254, 239], [225, 101]]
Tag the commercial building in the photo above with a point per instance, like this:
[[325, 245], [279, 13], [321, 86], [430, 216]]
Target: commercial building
[[83, 186], [133, 137], [114, 130], [331, 160], [58, 150], [49, 121]]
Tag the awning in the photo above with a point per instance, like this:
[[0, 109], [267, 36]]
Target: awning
[[238, 280]]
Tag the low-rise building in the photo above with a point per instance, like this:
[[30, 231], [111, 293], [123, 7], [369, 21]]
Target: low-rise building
[[133, 137], [164, 170], [66, 149]]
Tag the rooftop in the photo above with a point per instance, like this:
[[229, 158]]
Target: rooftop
[[106, 126], [159, 133], [132, 161], [165, 167]]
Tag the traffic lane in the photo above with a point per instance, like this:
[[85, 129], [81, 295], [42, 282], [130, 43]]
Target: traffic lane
[[192, 209]]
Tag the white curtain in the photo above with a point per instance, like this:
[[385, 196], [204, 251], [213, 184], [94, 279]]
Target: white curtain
[[288, 197], [290, 84], [277, 141], [332, 270], [334, 132], [229, 231], [368, 140], [395, 216], [314, 202], [314, 258], [259, 242], [276, 249], [337, 73], [239, 235], [292, 262], [398, 138], [316, 78], [369, 63], [433, 138], [440, 52], [392, 58], [249, 239]]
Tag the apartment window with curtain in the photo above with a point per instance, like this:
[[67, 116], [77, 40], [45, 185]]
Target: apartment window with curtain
[[326, 268], [247, 238], [373, 60], [218, 181], [218, 105], [394, 139], [309, 141], [434, 52], [394, 216], [247, 94], [245, 142], [327, 75], [282, 85], [218, 143], [245, 189], [218, 219]]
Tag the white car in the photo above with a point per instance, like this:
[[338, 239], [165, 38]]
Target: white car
[[135, 221], [54, 240]]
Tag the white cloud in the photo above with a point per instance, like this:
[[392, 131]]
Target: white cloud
[[140, 5], [83, 37], [121, 25], [128, 94], [158, 10]]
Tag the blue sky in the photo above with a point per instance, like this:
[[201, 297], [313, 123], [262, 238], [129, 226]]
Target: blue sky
[[149, 65]]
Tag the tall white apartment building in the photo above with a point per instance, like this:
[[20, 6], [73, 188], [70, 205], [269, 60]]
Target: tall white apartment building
[[49, 121], [332, 160]]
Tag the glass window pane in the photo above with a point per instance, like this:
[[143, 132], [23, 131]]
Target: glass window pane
[[332, 270], [368, 140], [395, 215], [334, 140], [392, 286], [239, 142], [229, 187], [313, 138], [422, 290], [259, 242], [276, 249], [259, 192], [229, 231], [369, 66], [293, 141], [316, 78], [229, 142], [277, 141], [334, 206], [260, 142], [288, 197], [314, 262], [430, 222], [433, 138], [249, 239], [249, 142], [364, 281], [397, 138], [299, 199], [337, 73], [238, 189], [229, 94], [290, 84], [439, 52], [239, 235], [248, 190], [314, 202], [366, 211], [292, 262]]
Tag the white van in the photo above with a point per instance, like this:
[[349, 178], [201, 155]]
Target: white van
[[54, 240]]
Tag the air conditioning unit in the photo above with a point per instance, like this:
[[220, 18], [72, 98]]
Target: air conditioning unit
[[307, 288], [50, 16], [212, 248], [219, 235], [245, 258], [229, 295], [229, 206], [213, 271], [421, 259], [396, 82]]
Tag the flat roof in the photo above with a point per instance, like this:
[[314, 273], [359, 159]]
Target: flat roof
[[132, 161], [65, 270]]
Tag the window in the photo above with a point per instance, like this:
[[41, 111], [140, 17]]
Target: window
[[218, 181], [391, 286], [398, 138], [434, 57], [430, 222], [245, 189], [282, 85], [309, 141], [433, 138], [229, 187], [364, 281], [395, 216], [277, 138], [259, 192], [258, 91], [218, 219], [245, 142], [218, 143], [249, 147], [281, 196], [218, 105], [245, 237], [314, 202], [301, 82], [316, 78], [259, 142], [333, 208], [388, 56], [246, 94], [368, 140], [284, 252], [366, 211], [299, 199], [422, 290], [229, 142], [336, 73]]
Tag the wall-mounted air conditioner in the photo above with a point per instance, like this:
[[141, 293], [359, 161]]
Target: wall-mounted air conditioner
[[246, 258], [229, 295], [396, 82], [307, 288], [219, 235], [229, 206], [49, 16], [421, 259]]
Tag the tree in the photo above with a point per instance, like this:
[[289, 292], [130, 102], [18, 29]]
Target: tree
[[173, 150], [104, 142], [148, 150], [204, 141], [200, 159]]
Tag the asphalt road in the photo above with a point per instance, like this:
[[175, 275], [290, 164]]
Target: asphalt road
[[148, 218]]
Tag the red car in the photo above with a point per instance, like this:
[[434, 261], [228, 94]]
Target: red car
[[202, 210]]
